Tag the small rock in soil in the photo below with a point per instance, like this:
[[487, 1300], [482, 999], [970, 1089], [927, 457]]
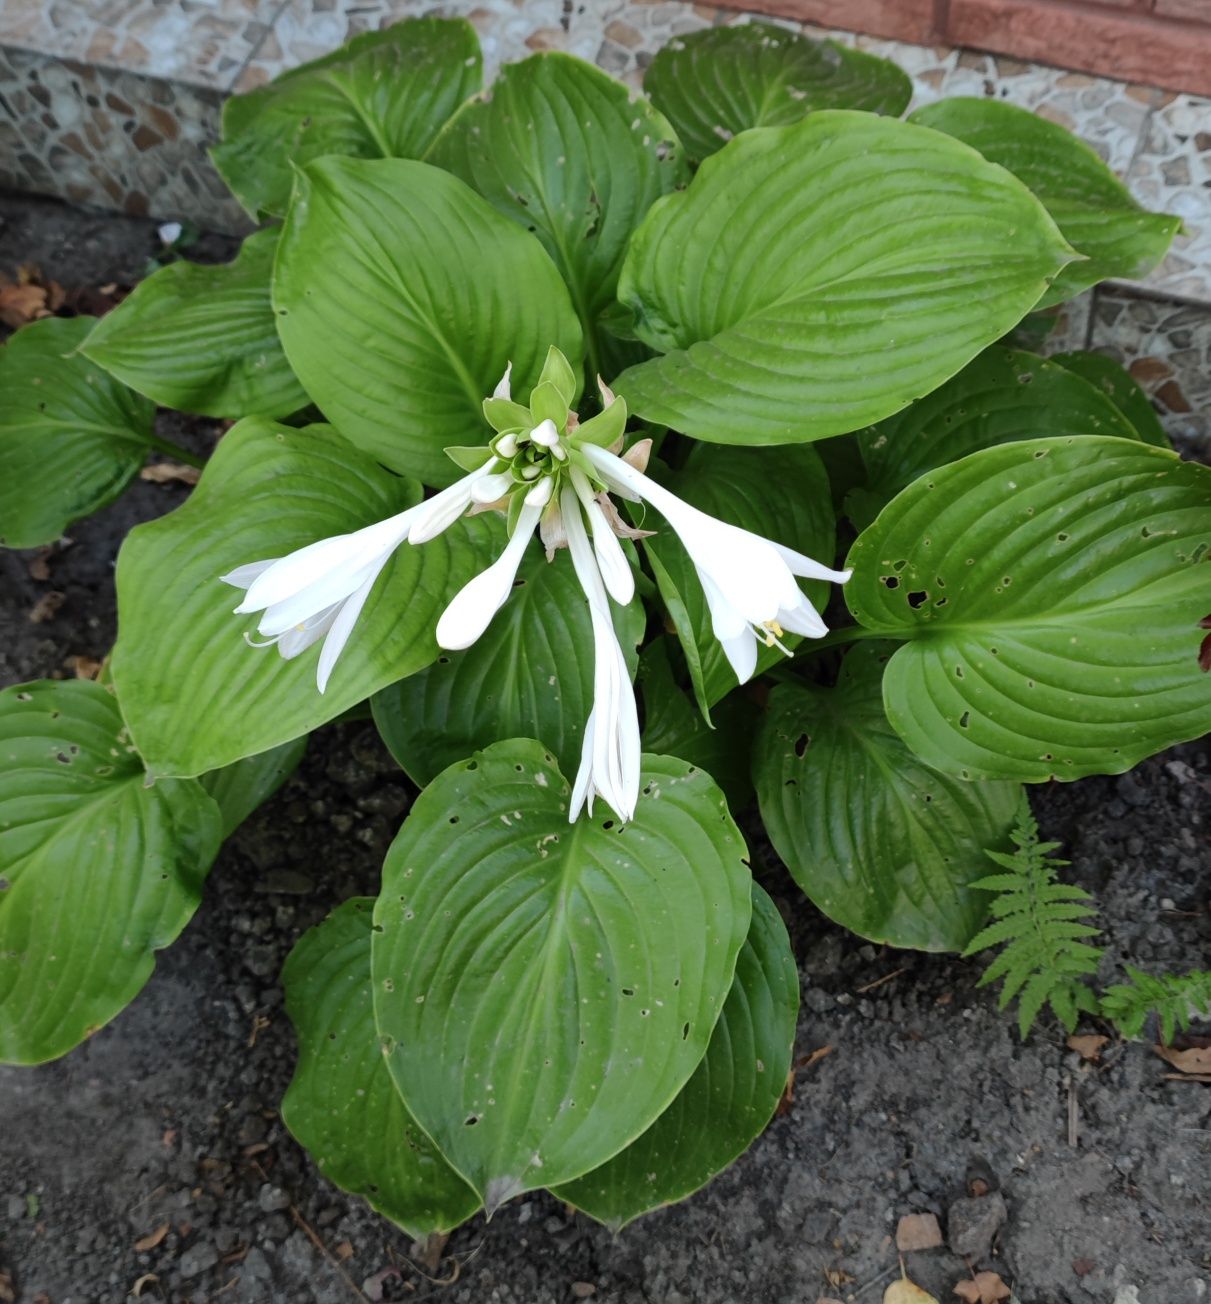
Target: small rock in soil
[[918, 1231], [197, 1259], [272, 1199], [972, 1224]]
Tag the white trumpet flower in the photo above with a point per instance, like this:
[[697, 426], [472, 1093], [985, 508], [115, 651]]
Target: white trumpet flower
[[610, 753], [319, 591], [749, 581]]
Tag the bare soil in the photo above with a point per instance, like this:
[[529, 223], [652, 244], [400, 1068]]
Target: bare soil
[[164, 1125]]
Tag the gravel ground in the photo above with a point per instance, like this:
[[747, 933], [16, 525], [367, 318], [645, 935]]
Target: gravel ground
[[164, 1126]]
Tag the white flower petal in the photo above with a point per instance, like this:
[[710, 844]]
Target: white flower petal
[[488, 488], [341, 628], [441, 511], [298, 638], [243, 576], [474, 605], [808, 569], [503, 389], [545, 433]]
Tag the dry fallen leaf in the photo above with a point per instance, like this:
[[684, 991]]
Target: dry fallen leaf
[[983, 1288], [907, 1292], [1088, 1045], [837, 1277], [147, 1279], [21, 304], [46, 606], [39, 564], [84, 667], [1195, 1060], [152, 1239], [918, 1231], [170, 473], [343, 1251], [8, 1293]]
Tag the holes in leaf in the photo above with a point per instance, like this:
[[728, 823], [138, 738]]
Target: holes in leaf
[[1006, 581], [471, 1120], [898, 566], [471, 765], [643, 1014], [521, 769], [685, 1032], [890, 581], [453, 819], [801, 744], [941, 602], [332, 1036], [918, 599], [1061, 537], [25, 697], [958, 672], [63, 758], [607, 825], [965, 720], [4, 884], [628, 991]]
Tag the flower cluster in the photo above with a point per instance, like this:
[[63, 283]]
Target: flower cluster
[[549, 472]]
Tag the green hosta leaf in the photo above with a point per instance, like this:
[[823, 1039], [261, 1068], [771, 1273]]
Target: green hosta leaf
[[884, 845], [546, 989], [203, 339], [1090, 205], [819, 277], [574, 156], [341, 1104], [1001, 396], [673, 726], [781, 493], [242, 786], [71, 437], [1051, 593], [714, 84], [400, 345], [726, 1105], [385, 94], [98, 870], [1121, 389], [530, 673], [196, 696]]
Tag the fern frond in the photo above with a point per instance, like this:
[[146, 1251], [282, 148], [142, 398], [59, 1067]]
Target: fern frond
[[1039, 922], [1175, 998]]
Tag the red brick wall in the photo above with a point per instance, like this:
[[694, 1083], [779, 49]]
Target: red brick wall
[[1158, 42]]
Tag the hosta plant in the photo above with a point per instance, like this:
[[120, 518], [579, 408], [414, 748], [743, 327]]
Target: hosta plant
[[630, 459]]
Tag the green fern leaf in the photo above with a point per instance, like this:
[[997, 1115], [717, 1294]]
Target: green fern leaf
[[1175, 998], [1039, 922]]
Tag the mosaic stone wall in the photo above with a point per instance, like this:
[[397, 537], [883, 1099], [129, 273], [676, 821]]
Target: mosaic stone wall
[[113, 102]]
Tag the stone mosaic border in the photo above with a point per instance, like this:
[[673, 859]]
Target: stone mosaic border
[[113, 102]]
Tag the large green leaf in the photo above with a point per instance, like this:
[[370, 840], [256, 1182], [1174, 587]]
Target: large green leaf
[[202, 338], [545, 989], [781, 493], [880, 842], [530, 674], [71, 437], [1121, 389], [242, 786], [574, 156], [385, 94], [726, 1105], [1002, 395], [195, 695], [673, 726], [401, 344], [99, 868], [341, 1103], [819, 277], [1051, 593], [714, 84], [1091, 206]]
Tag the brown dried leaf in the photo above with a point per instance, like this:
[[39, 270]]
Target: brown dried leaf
[[1083, 1267], [21, 304], [170, 473], [983, 1288], [343, 1251], [152, 1239], [907, 1292], [46, 606], [147, 1279], [918, 1231], [84, 667], [1088, 1045], [39, 564], [1195, 1059], [8, 1292]]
